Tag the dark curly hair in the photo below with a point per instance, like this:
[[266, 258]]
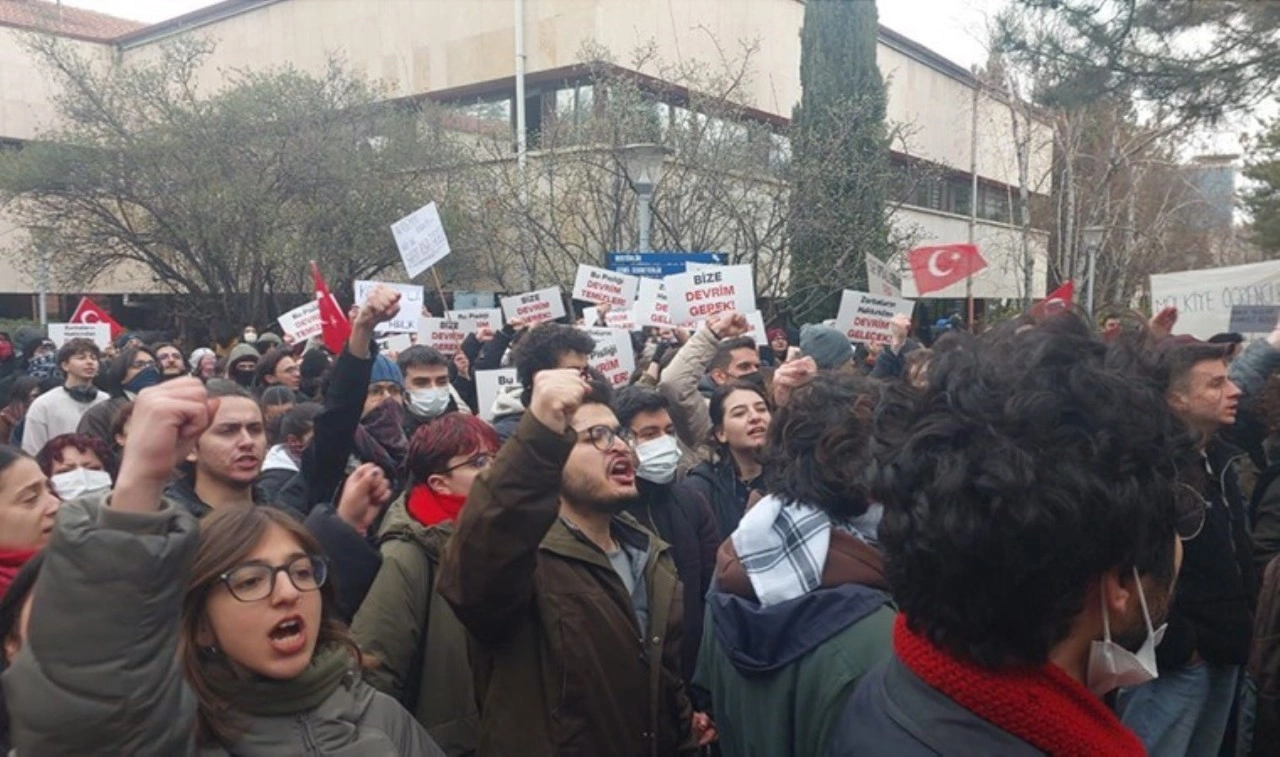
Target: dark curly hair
[[542, 348], [820, 444], [1027, 469], [51, 453]]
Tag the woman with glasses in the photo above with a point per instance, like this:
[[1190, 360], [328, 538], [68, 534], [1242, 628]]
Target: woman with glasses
[[237, 611], [420, 646]]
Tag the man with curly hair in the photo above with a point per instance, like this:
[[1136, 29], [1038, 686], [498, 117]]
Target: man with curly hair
[[545, 347]]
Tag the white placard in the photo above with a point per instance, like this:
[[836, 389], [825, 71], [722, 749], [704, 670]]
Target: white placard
[[591, 317], [99, 333], [614, 356], [620, 319], [881, 280], [421, 239], [866, 317], [651, 308], [303, 322], [757, 328], [394, 344], [489, 384], [698, 295], [1204, 298], [445, 336], [605, 287], [406, 321], [476, 319], [535, 307]]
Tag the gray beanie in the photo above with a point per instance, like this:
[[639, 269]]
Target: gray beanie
[[829, 348]]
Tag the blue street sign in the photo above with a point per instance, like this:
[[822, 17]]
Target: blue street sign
[[655, 265]]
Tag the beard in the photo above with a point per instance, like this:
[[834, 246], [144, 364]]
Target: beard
[[595, 494]]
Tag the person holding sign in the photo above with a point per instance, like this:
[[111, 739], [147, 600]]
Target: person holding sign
[[59, 411]]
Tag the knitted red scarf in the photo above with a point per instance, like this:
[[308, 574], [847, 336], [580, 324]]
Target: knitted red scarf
[[10, 563], [1042, 706], [430, 508]]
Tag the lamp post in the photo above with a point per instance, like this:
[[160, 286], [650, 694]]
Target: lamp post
[[644, 164], [1092, 237]]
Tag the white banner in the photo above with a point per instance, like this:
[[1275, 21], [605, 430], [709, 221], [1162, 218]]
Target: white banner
[[421, 239], [476, 319], [303, 322], [651, 308], [535, 307], [881, 280], [701, 294], [605, 287], [866, 317], [614, 356], [98, 333], [489, 384], [1204, 298], [406, 321], [445, 336]]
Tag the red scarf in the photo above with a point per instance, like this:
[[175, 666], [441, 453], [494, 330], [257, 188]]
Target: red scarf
[[1042, 706], [10, 564], [430, 508]]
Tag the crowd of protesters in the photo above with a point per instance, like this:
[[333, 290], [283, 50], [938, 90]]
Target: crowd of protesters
[[1044, 539]]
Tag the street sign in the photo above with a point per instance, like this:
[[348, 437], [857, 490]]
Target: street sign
[[656, 265]]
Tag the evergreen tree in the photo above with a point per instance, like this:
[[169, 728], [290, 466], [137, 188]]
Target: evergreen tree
[[840, 169], [1262, 199]]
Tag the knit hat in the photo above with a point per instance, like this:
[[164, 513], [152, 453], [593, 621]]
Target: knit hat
[[242, 351], [314, 363], [124, 338], [776, 333], [269, 338], [278, 395], [827, 346], [385, 370], [200, 353]]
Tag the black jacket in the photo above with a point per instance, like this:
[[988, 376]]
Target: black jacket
[[890, 365], [683, 519], [718, 485], [1212, 611]]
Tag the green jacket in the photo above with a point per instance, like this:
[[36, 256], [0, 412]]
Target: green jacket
[[419, 642]]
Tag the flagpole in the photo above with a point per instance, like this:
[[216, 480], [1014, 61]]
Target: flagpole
[[973, 192]]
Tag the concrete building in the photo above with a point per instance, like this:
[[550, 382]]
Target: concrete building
[[463, 52]]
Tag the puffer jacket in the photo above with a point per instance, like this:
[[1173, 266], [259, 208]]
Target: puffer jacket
[[562, 664], [680, 384], [419, 642]]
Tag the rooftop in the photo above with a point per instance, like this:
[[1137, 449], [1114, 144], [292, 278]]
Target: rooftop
[[65, 21]]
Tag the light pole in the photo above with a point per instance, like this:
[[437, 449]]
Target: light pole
[[644, 164], [1092, 237]]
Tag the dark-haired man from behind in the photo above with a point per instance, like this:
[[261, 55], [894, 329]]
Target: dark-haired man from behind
[[1188, 708], [547, 346], [1032, 546]]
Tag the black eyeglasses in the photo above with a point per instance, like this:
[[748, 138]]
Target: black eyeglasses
[[479, 462], [1190, 509], [255, 581], [602, 437], [138, 365]]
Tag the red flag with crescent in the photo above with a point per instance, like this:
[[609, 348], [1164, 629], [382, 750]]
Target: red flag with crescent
[[336, 327], [1057, 301], [941, 266], [89, 311]]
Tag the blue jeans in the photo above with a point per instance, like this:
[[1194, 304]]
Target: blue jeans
[[1184, 712]]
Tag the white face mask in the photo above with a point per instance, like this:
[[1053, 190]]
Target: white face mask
[[429, 403], [658, 459], [1111, 666], [78, 482]]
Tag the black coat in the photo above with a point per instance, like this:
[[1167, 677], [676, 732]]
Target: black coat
[[718, 485]]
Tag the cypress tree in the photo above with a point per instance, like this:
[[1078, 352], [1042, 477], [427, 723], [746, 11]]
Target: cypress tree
[[840, 157]]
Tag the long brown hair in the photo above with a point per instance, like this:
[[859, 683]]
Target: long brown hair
[[227, 537]]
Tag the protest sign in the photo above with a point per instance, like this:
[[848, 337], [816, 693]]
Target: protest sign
[[590, 317], [698, 295], [443, 335], [757, 329], [651, 308], [614, 355], [477, 318], [489, 384], [98, 333], [620, 319], [866, 317], [1204, 298], [393, 344], [605, 287], [302, 323], [534, 307], [881, 281], [421, 239], [1254, 319], [406, 321]]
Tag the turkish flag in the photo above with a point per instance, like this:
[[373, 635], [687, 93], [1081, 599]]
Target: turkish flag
[[1058, 301], [88, 311], [337, 329], [939, 267]]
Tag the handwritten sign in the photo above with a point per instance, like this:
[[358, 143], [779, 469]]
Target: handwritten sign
[[445, 336], [698, 295], [477, 318], [1204, 298], [1254, 319], [303, 322], [535, 307], [614, 356], [605, 287], [881, 281], [866, 317], [98, 333], [421, 239], [406, 322], [651, 308], [490, 384]]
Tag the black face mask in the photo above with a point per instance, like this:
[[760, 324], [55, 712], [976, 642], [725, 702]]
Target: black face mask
[[243, 376], [754, 379]]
